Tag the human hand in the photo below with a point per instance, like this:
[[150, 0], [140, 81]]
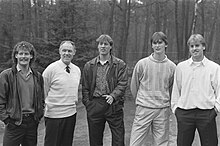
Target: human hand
[[109, 99]]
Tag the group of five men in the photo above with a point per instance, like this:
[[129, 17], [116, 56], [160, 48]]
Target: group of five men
[[26, 96]]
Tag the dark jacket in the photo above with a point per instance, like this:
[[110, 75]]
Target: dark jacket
[[10, 101], [117, 79]]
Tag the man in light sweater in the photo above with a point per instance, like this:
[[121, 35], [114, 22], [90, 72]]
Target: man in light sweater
[[151, 81], [196, 96], [61, 82]]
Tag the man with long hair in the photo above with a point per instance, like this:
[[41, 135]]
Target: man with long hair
[[104, 83], [21, 98]]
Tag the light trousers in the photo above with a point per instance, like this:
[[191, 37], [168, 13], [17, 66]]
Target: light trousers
[[148, 118]]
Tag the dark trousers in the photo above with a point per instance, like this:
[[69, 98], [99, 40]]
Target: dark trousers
[[59, 131], [97, 114], [202, 120], [24, 134]]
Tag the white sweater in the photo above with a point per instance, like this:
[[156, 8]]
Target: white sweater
[[61, 89]]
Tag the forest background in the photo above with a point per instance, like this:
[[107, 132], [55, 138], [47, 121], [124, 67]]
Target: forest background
[[45, 23]]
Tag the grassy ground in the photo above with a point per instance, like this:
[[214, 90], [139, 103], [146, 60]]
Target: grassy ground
[[81, 131]]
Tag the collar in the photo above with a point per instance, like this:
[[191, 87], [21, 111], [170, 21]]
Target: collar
[[63, 65], [19, 70], [103, 62], [152, 58], [203, 62], [113, 60]]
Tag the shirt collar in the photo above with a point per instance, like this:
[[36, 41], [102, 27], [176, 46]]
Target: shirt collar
[[19, 70], [203, 62], [102, 63], [63, 65]]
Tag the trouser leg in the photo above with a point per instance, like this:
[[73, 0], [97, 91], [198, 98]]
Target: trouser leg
[[96, 121], [13, 135], [52, 131], [30, 138], [160, 127], [186, 126], [68, 125], [141, 125], [206, 125], [59, 131], [116, 124]]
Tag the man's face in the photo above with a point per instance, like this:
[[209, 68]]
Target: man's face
[[67, 51], [196, 51], [23, 57], [159, 46], [104, 48]]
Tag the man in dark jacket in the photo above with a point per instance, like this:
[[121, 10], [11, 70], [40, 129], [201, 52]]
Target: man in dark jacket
[[104, 83], [21, 98]]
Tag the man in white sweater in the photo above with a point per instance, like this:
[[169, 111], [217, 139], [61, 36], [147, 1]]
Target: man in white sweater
[[61, 82], [150, 84]]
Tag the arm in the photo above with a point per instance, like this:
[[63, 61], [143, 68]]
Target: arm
[[217, 90], [135, 82], [171, 79], [85, 85], [176, 89], [42, 93], [122, 82], [47, 81], [4, 93], [77, 100]]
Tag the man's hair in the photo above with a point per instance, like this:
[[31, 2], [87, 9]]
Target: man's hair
[[105, 37], [23, 45], [196, 38], [69, 42], [159, 36]]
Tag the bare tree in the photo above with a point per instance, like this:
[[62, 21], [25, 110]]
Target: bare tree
[[178, 36], [111, 17], [213, 28], [124, 27], [147, 27]]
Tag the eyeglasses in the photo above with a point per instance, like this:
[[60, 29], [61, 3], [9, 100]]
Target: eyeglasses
[[70, 42]]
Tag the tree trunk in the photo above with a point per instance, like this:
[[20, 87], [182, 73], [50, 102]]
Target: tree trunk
[[203, 17], [111, 18], [124, 26], [29, 20], [147, 29], [36, 28], [213, 30], [158, 23], [187, 30], [136, 32], [178, 44]]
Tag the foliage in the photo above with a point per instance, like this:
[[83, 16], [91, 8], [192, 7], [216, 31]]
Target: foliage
[[45, 23]]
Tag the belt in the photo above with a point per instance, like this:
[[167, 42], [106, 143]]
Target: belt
[[28, 114], [98, 97]]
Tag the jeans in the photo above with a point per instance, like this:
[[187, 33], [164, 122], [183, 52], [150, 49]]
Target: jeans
[[24, 134]]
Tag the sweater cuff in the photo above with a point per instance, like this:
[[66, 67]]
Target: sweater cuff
[[217, 107]]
